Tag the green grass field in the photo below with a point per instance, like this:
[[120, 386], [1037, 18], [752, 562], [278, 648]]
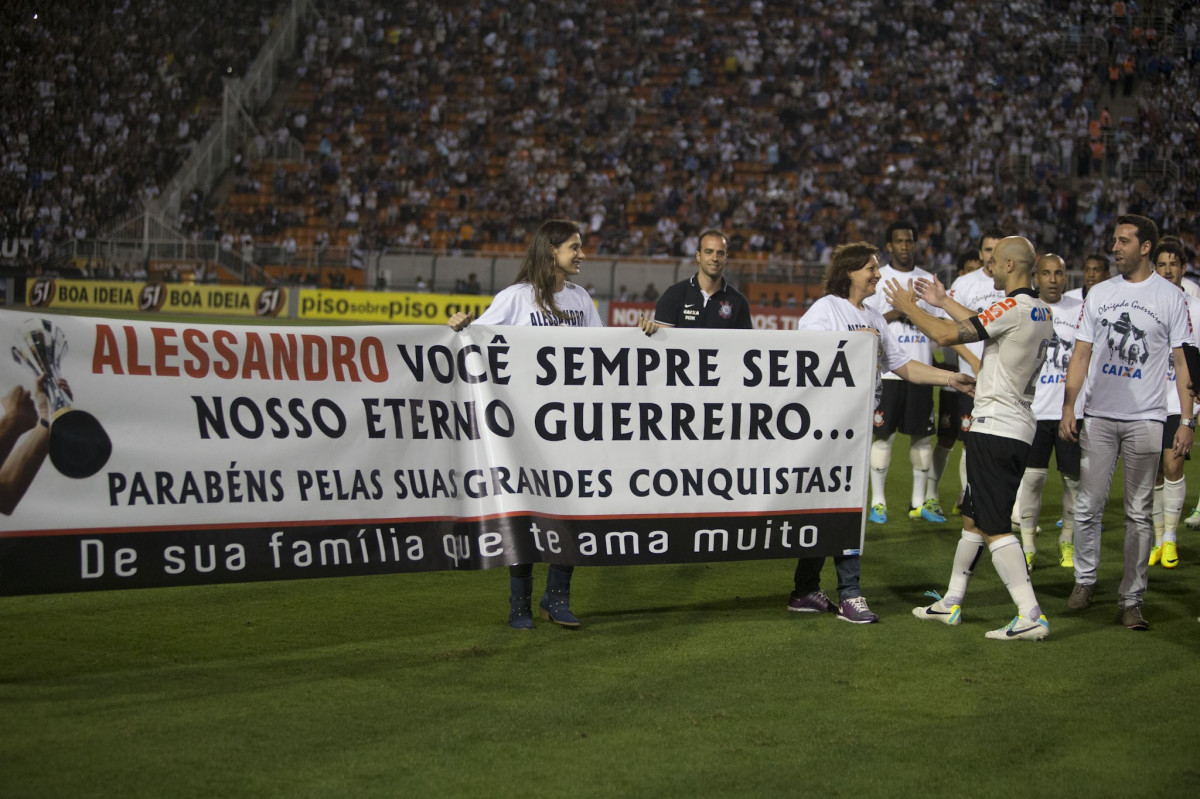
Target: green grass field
[[685, 681]]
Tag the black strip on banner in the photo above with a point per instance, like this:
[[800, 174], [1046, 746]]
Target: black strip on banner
[[95, 560]]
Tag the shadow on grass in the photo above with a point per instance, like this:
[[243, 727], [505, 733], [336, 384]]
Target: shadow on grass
[[735, 603]]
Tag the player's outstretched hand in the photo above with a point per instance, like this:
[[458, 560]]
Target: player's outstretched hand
[[962, 383], [902, 297], [932, 291], [460, 320]]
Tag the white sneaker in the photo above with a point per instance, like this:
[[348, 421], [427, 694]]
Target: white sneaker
[[1021, 628], [939, 611]]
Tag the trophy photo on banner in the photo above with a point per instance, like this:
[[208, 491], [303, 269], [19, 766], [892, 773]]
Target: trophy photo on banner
[[79, 446]]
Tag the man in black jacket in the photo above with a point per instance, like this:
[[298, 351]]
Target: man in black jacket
[[705, 299]]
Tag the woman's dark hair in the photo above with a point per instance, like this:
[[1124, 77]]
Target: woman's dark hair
[[539, 268], [847, 258]]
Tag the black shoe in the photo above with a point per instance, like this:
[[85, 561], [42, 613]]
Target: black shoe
[[1132, 618], [520, 615], [556, 602], [1081, 596]]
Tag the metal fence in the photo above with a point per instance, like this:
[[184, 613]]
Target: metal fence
[[214, 155]]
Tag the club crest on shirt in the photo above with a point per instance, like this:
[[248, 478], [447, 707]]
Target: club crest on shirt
[[879, 418], [726, 310]]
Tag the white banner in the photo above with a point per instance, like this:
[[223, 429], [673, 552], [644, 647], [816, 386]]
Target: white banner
[[201, 453]]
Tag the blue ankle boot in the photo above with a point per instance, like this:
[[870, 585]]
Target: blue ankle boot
[[520, 594], [556, 602]]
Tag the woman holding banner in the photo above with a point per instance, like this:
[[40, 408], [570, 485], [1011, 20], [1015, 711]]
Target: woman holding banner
[[850, 279], [542, 296]]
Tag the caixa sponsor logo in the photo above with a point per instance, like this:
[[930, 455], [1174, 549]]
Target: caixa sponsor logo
[[41, 293], [270, 302], [1121, 370]]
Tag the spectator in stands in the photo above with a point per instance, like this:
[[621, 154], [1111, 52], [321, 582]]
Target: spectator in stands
[[87, 107]]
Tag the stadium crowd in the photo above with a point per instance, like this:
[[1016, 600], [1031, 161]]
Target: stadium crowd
[[433, 125], [101, 103], [792, 126]]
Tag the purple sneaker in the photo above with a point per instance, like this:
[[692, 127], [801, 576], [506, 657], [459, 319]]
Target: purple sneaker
[[855, 611], [816, 602]]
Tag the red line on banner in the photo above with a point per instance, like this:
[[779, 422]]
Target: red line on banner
[[418, 520]]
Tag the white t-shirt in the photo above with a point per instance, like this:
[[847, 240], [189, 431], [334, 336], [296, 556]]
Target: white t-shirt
[[1191, 288], [1132, 328], [914, 343], [1052, 382], [1193, 309], [515, 305], [975, 291], [838, 313], [1075, 294], [1019, 330]]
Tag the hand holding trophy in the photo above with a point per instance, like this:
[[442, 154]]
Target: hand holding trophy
[[79, 446]]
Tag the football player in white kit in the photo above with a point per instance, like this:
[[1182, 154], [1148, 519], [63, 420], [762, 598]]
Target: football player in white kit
[[1170, 487], [903, 407], [1051, 276], [1016, 332]]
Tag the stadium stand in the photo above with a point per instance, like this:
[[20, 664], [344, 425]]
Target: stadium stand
[[100, 104], [461, 127]]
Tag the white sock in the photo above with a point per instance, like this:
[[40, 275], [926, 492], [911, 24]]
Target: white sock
[[881, 459], [941, 456], [1009, 562], [1158, 516], [1070, 491], [1029, 499], [966, 555], [1174, 492], [920, 455]]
